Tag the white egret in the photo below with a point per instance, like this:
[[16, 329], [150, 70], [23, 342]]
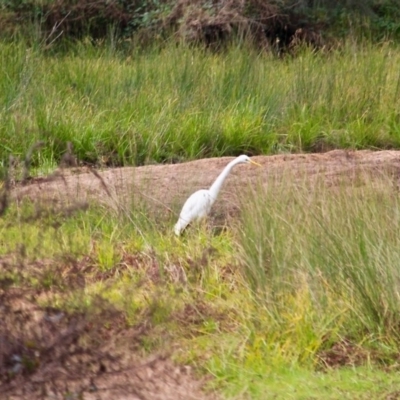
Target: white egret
[[199, 204]]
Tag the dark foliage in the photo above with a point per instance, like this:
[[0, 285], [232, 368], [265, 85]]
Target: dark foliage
[[274, 24]]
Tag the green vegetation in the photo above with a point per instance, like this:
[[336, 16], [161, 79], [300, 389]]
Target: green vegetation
[[305, 279], [203, 21], [180, 103], [304, 246]]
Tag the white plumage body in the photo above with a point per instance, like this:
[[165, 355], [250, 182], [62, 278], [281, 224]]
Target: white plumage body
[[196, 207], [199, 204]]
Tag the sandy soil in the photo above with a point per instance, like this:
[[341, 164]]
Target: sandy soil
[[165, 187]]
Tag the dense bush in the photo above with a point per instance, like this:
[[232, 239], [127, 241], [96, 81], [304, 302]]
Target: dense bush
[[274, 23]]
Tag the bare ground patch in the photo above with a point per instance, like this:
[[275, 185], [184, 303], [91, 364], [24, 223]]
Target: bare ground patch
[[55, 353], [165, 187]]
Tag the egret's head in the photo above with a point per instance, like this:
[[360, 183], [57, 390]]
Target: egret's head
[[247, 160]]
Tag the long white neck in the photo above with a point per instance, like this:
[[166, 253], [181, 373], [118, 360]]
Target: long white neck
[[216, 186]]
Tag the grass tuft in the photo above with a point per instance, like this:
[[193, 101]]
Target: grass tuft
[[179, 103], [321, 262]]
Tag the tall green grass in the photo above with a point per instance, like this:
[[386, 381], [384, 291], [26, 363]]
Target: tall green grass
[[308, 264], [322, 263], [179, 103]]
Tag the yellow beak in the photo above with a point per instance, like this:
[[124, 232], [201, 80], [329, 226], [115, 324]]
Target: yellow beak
[[255, 163]]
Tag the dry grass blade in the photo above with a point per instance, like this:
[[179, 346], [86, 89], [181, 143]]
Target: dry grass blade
[[28, 160], [69, 158], [4, 190], [101, 180]]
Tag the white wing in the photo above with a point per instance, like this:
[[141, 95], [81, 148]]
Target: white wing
[[197, 206]]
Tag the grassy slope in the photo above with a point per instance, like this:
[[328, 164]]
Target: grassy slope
[[256, 305], [201, 295], [179, 103]]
